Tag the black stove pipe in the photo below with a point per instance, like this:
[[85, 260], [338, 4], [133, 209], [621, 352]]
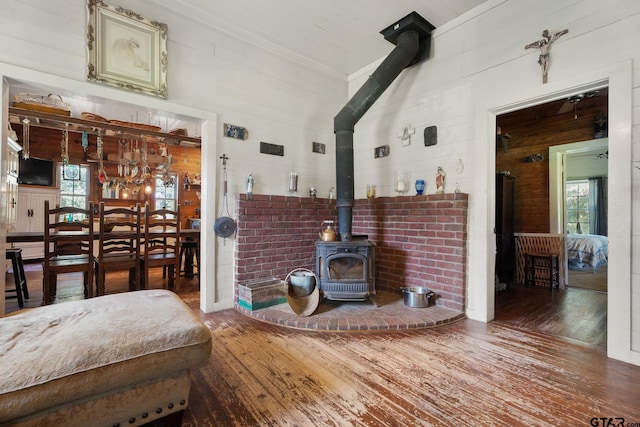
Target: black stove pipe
[[407, 47]]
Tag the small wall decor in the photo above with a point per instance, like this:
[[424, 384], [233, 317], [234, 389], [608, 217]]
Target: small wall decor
[[402, 180], [382, 151], [126, 50], [544, 44], [502, 138], [273, 149], [600, 128], [371, 191], [405, 135], [293, 182], [430, 136], [237, 132], [318, 147], [534, 158]]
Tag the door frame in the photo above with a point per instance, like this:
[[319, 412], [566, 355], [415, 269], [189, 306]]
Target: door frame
[[210, 299], [618, 77], [558, 179], [558, 183]]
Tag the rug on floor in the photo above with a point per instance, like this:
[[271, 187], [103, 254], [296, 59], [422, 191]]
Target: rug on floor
[[588, 279]]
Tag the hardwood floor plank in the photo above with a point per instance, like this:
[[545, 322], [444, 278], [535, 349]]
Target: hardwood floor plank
[[542, 362], [573, 314], [467, 373]]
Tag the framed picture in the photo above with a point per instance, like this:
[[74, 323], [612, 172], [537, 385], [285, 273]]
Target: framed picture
[[126, 50], [237, 132], [318, 147], [382, 151]]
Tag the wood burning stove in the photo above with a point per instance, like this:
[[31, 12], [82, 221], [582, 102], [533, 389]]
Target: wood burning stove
[[347, 269]]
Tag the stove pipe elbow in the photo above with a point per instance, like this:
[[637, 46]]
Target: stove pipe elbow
[[407, 47]]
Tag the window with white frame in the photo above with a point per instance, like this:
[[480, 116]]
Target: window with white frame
[[166, 194], [577, 195], [74, 186]]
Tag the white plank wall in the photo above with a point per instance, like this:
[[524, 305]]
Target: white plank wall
[[478, 66], [480, 61], [278, 101]]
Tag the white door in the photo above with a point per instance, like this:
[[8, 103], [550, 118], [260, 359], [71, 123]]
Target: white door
[[23, 221], [37, 205]]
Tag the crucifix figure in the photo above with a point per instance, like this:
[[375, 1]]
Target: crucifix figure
[[544, 44]]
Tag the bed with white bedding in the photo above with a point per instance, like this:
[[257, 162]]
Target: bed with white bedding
[[587, 251]]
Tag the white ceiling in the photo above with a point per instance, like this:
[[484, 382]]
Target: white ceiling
[[341, 36]]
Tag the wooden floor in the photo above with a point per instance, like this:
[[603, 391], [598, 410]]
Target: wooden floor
[[468, 373], [70, 287], [575, 315], [541, 363], [533, 366]]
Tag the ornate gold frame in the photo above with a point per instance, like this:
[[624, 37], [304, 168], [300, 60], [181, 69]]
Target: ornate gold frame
[[126, 50]]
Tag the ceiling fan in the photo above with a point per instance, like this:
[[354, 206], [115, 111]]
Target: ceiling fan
[[572, 102]]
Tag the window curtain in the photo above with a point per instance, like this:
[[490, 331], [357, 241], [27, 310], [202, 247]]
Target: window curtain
[[598, 205]]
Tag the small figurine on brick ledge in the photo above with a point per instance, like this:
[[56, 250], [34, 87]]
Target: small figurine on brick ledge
[[440, 175], [249, 184]]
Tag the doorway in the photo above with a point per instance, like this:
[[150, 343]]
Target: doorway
[[209, 293], [578, 187], [529, 142], [481, 296]]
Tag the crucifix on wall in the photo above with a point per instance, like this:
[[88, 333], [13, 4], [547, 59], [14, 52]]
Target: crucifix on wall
[[544, 44]]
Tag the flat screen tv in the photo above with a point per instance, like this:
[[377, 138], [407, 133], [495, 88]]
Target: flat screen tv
[[35, 172]]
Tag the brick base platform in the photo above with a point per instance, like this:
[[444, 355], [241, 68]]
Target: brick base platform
[[391, 314]]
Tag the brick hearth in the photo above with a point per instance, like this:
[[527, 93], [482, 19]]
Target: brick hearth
[[420, 240]]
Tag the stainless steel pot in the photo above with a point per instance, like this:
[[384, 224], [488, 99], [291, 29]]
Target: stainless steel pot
[[418, 296]]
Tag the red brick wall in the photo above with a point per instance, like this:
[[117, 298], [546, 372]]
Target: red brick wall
[[420, 240], [276, 234]]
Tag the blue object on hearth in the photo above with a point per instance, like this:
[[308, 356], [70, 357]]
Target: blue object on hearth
[[419, 186]]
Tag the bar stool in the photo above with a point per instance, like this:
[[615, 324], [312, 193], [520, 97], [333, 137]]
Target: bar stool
[[545, 265], [15, 255], [188, 250]]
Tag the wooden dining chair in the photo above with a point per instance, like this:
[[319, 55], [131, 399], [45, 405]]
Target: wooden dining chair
[[161, 246], [119, 245], [68, 246]]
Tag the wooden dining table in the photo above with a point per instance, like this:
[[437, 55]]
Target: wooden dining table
[[38, 236], [25, 236]]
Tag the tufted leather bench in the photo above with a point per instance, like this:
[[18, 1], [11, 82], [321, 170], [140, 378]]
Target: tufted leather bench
[[115, 360]]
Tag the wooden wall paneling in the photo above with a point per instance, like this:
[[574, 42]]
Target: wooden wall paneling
[[533, 131], [45, 144]]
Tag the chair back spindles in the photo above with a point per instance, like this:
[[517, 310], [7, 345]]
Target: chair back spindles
[[68, 246], [161, 244], [119, 244]]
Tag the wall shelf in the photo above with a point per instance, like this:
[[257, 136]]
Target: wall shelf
[[56, 121]]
